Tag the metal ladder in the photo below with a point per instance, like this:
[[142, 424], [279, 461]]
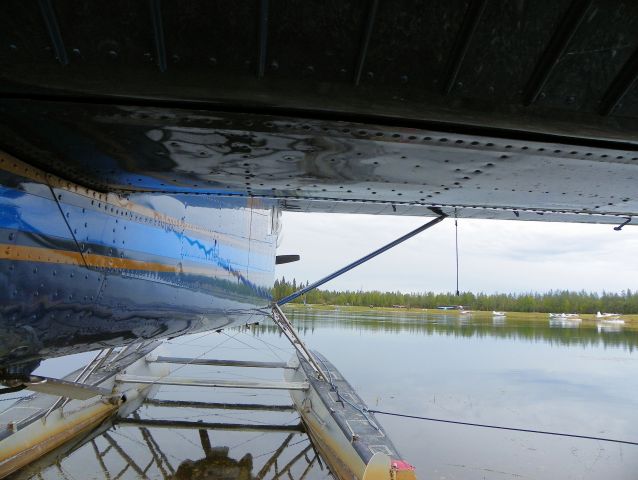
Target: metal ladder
[[286, 327]]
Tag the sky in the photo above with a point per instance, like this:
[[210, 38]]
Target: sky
[[494, 255]]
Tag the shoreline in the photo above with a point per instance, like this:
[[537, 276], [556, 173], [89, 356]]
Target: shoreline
[[586, 317]]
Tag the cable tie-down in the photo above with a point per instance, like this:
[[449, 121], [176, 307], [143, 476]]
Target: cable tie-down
[[619, 227]]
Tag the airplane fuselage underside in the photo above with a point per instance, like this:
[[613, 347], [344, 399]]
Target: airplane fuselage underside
[[81, 270]]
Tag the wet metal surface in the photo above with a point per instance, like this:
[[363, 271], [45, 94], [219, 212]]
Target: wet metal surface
[[306, 164], [81, 269]]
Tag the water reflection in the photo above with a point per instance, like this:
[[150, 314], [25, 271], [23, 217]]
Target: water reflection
[[513, 327], [522, 373], [216, 465], [200, 433], [498, 320], [515, 371], [138, 454], [610, 326], [564, 322]]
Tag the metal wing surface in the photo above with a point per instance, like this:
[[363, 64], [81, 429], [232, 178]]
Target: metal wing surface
[[507, 110]]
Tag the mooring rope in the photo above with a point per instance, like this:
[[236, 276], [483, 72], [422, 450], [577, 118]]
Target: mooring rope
[[498, 427], [12, 398]]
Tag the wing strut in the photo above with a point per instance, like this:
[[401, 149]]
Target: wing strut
[[362, 260], [286, 326]]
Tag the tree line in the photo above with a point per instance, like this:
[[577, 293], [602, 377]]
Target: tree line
[[625, 302]]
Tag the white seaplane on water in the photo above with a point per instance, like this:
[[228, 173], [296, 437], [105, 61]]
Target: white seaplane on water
[[572, 316]]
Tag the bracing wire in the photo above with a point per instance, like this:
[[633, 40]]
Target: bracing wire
[[343, 399], [456, 243], [498, 427]]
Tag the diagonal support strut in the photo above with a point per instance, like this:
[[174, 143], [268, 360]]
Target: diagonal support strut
[[285, 325], [362, 260]]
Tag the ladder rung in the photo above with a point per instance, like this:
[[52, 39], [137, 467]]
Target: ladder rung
[[219, 363], [209, 426], [158, 402], [204, 382]]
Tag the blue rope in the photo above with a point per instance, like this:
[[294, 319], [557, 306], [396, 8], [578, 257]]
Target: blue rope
[[12, 398]]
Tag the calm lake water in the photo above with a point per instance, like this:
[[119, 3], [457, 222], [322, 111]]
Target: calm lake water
[[564, 377]]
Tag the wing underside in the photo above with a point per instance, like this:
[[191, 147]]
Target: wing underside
[[520, 110]]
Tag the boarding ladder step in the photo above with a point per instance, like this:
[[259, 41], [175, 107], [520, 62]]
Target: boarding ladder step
[[204, 382], [160, 402], [218, 363], [184, 424]]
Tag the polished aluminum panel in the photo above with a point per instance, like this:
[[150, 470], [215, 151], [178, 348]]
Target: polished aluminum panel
[[305, 164], [81, 269]]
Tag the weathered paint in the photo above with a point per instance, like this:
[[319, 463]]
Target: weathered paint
[[51, 434]]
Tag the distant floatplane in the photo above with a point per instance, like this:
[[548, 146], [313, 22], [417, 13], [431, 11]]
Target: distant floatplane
[[459, 308], [608, 315], [572, 316]]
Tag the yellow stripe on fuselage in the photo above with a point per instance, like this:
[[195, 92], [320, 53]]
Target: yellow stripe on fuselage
[[39, 254], [67, 257]]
